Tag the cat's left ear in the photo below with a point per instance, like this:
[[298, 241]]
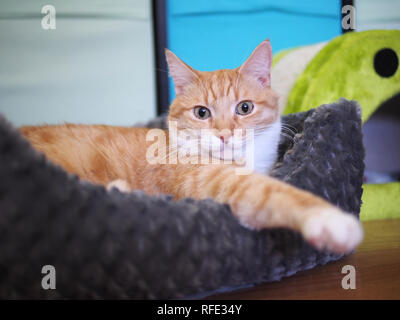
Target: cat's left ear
[[258, 65]]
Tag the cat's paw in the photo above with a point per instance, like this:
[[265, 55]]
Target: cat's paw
[[333, 230], [120, 184]]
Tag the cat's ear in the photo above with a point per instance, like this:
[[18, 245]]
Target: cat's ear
[[180, 72], [258, 65]]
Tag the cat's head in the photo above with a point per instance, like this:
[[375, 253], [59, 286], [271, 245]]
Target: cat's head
[[225, 100]]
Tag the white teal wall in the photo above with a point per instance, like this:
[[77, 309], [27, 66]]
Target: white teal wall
[[377, 14], [95, 67]]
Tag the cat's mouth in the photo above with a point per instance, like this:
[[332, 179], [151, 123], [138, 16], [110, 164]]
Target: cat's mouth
[[211, 149], [226, 153]]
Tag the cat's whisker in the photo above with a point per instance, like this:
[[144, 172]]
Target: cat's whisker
[[173, 151], [288, 132], [170, 151], [287, 136], [289, 126], [291, 134], [167, 157], [288, 129], [263, 128]]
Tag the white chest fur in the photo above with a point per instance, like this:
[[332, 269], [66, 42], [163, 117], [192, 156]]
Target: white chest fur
[[265, 148]]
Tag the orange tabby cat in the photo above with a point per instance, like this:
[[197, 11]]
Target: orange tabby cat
[[223, 99]]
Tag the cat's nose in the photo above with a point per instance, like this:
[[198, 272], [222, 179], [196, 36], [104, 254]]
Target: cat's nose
[[224, 136]]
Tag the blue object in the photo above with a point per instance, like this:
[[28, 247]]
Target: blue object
[[218, 34]]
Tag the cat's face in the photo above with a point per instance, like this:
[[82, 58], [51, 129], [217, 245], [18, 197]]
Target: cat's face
[[218, 103]]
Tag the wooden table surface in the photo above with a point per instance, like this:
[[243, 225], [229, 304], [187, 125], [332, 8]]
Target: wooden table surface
[[376, 262]]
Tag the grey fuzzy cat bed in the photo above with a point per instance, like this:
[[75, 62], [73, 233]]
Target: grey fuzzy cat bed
[[115, 245]]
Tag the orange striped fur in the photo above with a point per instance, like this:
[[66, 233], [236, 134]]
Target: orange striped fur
[[116, 156]]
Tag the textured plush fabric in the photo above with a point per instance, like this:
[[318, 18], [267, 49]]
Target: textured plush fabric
[[115, 245]]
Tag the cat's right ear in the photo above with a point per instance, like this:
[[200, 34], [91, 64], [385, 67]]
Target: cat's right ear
[[180, 72]]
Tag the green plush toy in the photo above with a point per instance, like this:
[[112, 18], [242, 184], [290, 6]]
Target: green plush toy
[[357, 66]]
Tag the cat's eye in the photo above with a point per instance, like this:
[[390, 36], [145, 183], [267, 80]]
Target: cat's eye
[[244, 108], [202, 113]]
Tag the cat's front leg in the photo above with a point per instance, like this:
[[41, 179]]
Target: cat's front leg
[[281, 205], [321, 224], [278, 204], [332, 229], [261, 202]]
